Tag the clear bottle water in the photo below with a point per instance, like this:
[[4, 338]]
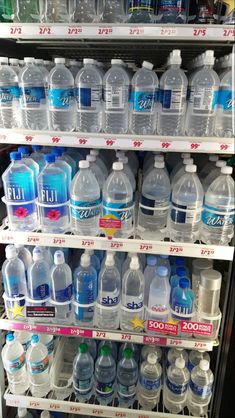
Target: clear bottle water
[[56, 11], [26, 11], [38, 156], [182, 301], [29, 162], [113, 11], [112, 345], [108, 301], [47, 255], [200, 389], [195, 357], [74, 67], [24, 255], [116, 84], [173, 92], [143, 100], [99, 161], [149, 274], [48, 65], [141, 11], [24, 337], [38, 368], [70, 159], [149, 387], [89, 97], [127, 377], [105, 376], [154, 203], [83, 370], [178, 175], [203, 99], [63, 165], [92, 346], [159, 297], [157, 159], [163, 261], [61, 288], [85, 11], [127, 262], [61, 97], [85, 202], [39, 280], [218, 210], [23, 413], [179, 165], [210, 165], [186, 206], [132, 307], [147, 349], [224, 126], [39, 63], [53, 197], [48, 341], [174, 353], [9, 96], [14, 64], [33, 102], [13, 358], [96, 170], [13, 273], [172, 11], [85, 291], [127, 170], [176, 387], [118, 201], [133, 347], [214, 173]]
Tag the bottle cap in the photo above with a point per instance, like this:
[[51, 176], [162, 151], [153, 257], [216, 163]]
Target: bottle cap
[[63, 149], [128, 353], [49, 158], [175, 57], [59, 257], [134, 264], [15, 156], [37, 147], [191, 168], [151, 260], [18, 246], [73, 63], [185, 155], [109, 261], [220, 163], [159, 164], [45, 414], [39, 61], [10, 251], [3, 60], [14, 61], [34, 339], [162, 271], [164, 256], [85, 260], [59, 60], [83, 164], [37, 254], [10, 337], [24, 151], [152, 358], [201, 264], [211, 279], [116, 62], [209, 58], [227, 170], [123, 159], [88, 61], [147, 65], [159, 158], [29, 60], [117, 166], [22, 412], [180, 261], [57, 152], [184, 283], [105, 350], [188, 161], [82, 348], [180, 363], [213, 157], [204, 365], [94, 152], [91, 158], [181, 272]]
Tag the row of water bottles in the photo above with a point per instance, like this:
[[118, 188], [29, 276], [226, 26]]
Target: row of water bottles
[[24, 413], [117, 101]]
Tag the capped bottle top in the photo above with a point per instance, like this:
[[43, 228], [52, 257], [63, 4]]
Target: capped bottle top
[[57, 152], [45, 414], [117, 166], [159, 164], [14, 61], [152, 358], [59, 257], [128, 353], [188, 161], [204, 365], [159, 158], [181, 271], [83, 164], [162, 271], [82, 348], [18, 246], [94, 152], [120, 154], [116, 62], [134, 264], [147, 65], [164, 256], [59, 60], [10, 251], [29, 60], [49, 158], [151, 260], [123, 159], [15, 156], [109, 261], [85, 260], [209, 58], [22, 412], [184, 283], [3, 60], [202, 264], [10, 337], [220, 163], [211, 279], [88, 61], [180, 261], [37, 147], [34, 339], [213, 157], [23, 150], [185, 155], [105, 350], [227, 170], [191, 168], [39, 61], [37, 254], [175, 57], [180, 363], [91, 158]]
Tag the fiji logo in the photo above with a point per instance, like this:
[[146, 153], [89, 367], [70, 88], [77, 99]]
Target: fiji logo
[[145, 101]]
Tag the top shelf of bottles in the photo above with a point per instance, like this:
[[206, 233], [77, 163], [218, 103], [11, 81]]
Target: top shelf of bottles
[[56, 31]]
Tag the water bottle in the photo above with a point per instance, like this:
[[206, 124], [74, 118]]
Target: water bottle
[[149, 274], [203, 99], [126, 264], [92, 346], [179, 165], [13, 273], [218, 210], [26, 11], [48, 341], [99, 161], [24, 255], [48, 65], [116, 84], [163, 261], [38, 156], [85, 11], [70, 159], [56, 11], [59, 162], [24, 337], [85, 202], [178, 262], [199, 264], [13, 358], [113, 11], [89, 97], [74, 67], [200, 389], [157, 158], [182, 301], [173, 91], [127, 377], [61, 97], [141, 11], [180, 273], [45, 414], [172, 11], [61, 288], [112, 345], [108, 301], [215, 172], [85, 291], [133, 347], [147, 349], [39, 63], [176, 387], [47, 255], [23, 413], [96, 170], [175, 353], [195, 357], [38, 368], [5, 11], [186, 206], [105, 376], [132, 307], [224, 126], [154, 203], [33, 102], [9, 96], [53, 197], [149, 386], [127, 170], [210, 165], [118, 201], [29, 162], [83, 370], [159, 297], [14, 64], [39, 280]]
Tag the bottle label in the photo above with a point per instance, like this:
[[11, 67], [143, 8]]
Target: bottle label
[[143, 101], [172, 98], [87, 295], [64, 295], [105, 390], [227, 99], [83, 386], [202, 391], [204, 98], [37, 367], [16, 192], [214, 218], [177, 389], [22, 211], [60, 98], [116, 97], [183, 214], [110, 299], [54, 214], [180, 309], [126, 392], [190, 366], [32, 96], [147, 5], [51, 194], [8, 94], [16, 364], [50, 346], [11, 286], [41, 292], [85, 210], [122, 211], [172, 5], [150, 384], [151, 207], [88, 97], [133, 304]]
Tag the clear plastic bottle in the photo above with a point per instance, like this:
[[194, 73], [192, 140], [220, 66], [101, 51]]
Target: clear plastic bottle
[[186, 206], [149, 387], [13, 358], [92, 346], [176, 387], [26, 11], [112, 345], [163, 261], [179, 165], [182, 301], [108, 301], [174, 353], [172, 11], [61, 163], [105, 376], [48, 341], [99, 161], [29, 162], [157, 159], [113, 11], [39, 281], [214, 173], [127, 377], [218, 210], [70, 160], [38, 368], [178, 175], [56, 11], [200, 389], [224, 125], [96, 170], [61, 97], [210, 165], [154, 203], [23, 413], [45, 414], [127, 170], [13, 273], [141, 11], [38, 156], [9, 96], [33, 102], [143, 100], [61, 288], [85, 11], [133, 347], [83, 370], [14, 64], [195, 356], [39, 63], [74, 67], [149, 274], [24, 337], [147, 349], [116, 84], [24, 255], [48, 65], [85, 202], [173, 92]]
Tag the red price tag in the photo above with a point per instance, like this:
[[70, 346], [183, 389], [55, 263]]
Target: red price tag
[[74, 409], [175, 343], [97, 412], [116, 245], [110, 142], [55, 140], [34, 240], [100, 334], [199, 32], [59, 241], [163, 327], [229, 32], [146, 247], [28, 138], [34, 404], [44, 30], [165, 145], [74, 30], [54, 406], [199, 344], [120, 414], [195, 146], [87, 243], [137, 144], [199, 328], [154, 340], [207, 252], [82, 141], [126, 337], [136, 31], [15, 30], [105, 31], [168, 31], [176, 250], [224, 147], [7, 238]]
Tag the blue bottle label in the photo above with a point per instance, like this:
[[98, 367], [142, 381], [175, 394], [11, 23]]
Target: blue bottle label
[[110, 300], [172, 5], [141, 5], [37, 367], [204, 98], [41, 292], [85, 210], [51, 193], [202, 391], [13, 366], [87, 295], [183, 214], [88, 97], [143, 101], [132, 304], [31, 96], [227, 99], [174, 99], [181, 308], [146, 204], [20, 191], [8, 94], [126, 392], [60, 98], [177, 389], [105, 390], [213, 218], [64, 295], [150, 384], [122, 211]]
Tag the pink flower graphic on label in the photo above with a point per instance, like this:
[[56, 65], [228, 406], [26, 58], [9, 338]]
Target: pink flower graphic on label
[[53, 215], [21, 212]]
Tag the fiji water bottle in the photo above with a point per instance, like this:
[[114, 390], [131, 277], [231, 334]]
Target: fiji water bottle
[[27, 160], [9, 96], [172, 11], [141, 11], [38, 156], [182, 301]]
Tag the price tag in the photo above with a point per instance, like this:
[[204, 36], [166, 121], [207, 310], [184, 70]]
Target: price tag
[[105, 31], [200, 345], [148, 339], [55, 140], [224, 147], [2, 137], [145, 247], [74, 409], [28, 138], [165, 145], [15, 30], [143, 416], [116, 245], [110, 142], [175, 342], [227, 32], [199, 328], [137, 144], [199, 32], [162, 327], [87, 243], [136, 31], [52, 330], [33, 240], [59, 241], [74, 30], [195, 146], [120, 414], [165, 31], [34, 404], [99, 334], [7, 238], [207, 252], [97, 412], [44, 30], [54, 406], [82, 141], [126, 337], [176, 249]]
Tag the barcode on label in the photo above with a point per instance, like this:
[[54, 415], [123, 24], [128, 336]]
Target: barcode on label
[[114, 98]]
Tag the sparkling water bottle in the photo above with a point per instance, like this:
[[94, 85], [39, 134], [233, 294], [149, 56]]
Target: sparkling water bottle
[[83, 370], [105, 376], [14, 64], [141, 11], [26, 11], [172, 11], [200, 389], [149, 386], [92, 346], [195, 357], [149, 274], [85, 11], [61, 288], [113, 11], [38, 156], [176, 387], [85, 202], [61, 97], [116, 84], [9, 96], [127, 377], [158, 298], [133, 347], [56, 11], [39, 280], [38, 368], [112, 345], [214, 173]]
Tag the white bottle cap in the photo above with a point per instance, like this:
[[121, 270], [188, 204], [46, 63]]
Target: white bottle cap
[[37, 254], [134, 264], [147, 65], [91, 158], [85, 260], [209, 58], [120, 154], [109, 261], [180, 363], [39, 61], [220, 163], [28, 60], [191, 168], [227, 170], [10, 251], [159, 164], [94, 152], [185, 155], [59, 60], [73, 62], [159, 158], [175, 57], [14, 61], [59, 257], [88, 61], [45, 414], [188, 161], [152, 358], [204, 365], [22, 412], [89, 252], [211, 279], [117, 166], [47, 62], [18, 246], [123, 159], [213, 157], [4, 60], [84, 164], [116, 62]]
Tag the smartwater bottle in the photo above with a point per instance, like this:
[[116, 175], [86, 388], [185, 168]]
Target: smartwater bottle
[[113, 11], [56, 11], [141, 11], [9, 96], [85, 11]]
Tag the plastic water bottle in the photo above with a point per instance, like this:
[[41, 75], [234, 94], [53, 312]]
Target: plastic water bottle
[[48, 65], [61, 97], [85, 202], [127, 377], [174, 353], [154, 203], [210, 165], [195, 357], [39, 280], [24, 255], [61, 288], [108, 301], [39, 63], [200, 389], [48, 341], [83, 370], [224, 126], [99, 161], [112, 345], [141, 11], [96, 170], [59, 162], [45, 414], [53, 197], [33, 103], [149, 387], [105, 376], [13, 358], [147, 349], [116, 84], [85, 11], [118, 200], [26, 11], [149, 274], [173, 91], [186, 206], [56, 11], [127, 171], [89, 97], [74, 67], [24, 337], [9, 96], [159, 297], [29, 162], [132, 307], [126, 264], [218, 210], [157, 159], [180, 273], [179, 165], [176, 387], [13, 272], [113, 11], [203, 99], [38, 156], [14, 64], [182, 301], [92, 346], [172, 11], [38, 368], [23, 413], [47, 255], [215, 172], [133, 347], [70, 159], [85, 291], [163, 261]]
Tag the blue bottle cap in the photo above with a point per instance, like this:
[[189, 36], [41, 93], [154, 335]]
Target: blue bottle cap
[[23, 150], [184, 283], [15, 156], [37, 147], [35, 339], [164, 256], [49, 158], [181, 272], [10, 337], [63, 149], [180, 261], [151, 260], [162, 271], [57, 152]]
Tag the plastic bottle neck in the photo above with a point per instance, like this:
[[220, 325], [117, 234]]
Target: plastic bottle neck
[[174, 66]]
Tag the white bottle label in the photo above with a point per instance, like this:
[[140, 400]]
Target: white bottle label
[[132, 303], [115, 97], [204, 98], [185, 214]]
